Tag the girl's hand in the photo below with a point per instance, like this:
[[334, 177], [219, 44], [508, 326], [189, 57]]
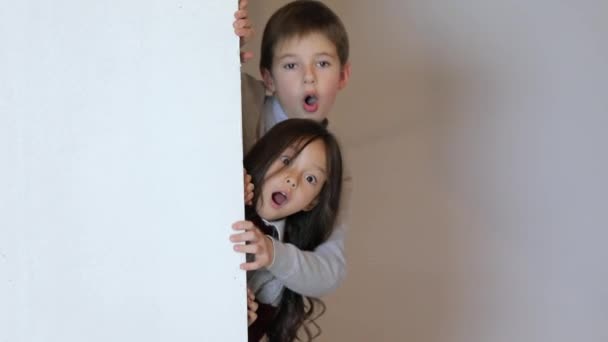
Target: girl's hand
[[258, 244], [249, 187], [243, 28], [252, 307]]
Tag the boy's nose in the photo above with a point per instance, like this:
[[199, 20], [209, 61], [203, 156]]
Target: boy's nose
[[309, 77]]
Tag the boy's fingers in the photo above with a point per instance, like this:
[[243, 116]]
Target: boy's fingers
[[241, 23], [243, 4], [240, 14], [244, 32], [246, 56]]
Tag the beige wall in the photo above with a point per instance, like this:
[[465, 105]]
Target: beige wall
[[475, 130]]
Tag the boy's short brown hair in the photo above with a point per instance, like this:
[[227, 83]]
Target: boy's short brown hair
[[299, 18]]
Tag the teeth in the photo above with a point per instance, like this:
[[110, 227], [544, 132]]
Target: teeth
[[310, 100]]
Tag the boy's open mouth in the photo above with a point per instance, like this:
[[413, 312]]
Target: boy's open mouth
[[311, 103], [279, 198]]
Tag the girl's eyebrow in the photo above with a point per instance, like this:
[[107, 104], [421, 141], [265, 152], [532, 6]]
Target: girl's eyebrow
[[321, 169], [290, 150]]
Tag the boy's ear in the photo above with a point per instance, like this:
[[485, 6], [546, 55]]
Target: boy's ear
[[344, 75], [312, 204], [268, 82]]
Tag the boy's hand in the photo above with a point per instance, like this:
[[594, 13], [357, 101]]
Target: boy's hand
[[243, 28], [252, 307], [258, 244], [249, 187]]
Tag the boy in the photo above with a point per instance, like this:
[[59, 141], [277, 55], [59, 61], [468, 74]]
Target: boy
[[304, 64]]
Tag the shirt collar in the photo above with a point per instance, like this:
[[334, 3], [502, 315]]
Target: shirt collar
[[279, 225], [277, 111]]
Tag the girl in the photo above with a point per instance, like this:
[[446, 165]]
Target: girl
[[297, 171]]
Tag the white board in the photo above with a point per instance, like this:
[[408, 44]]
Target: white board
[[120, 171]]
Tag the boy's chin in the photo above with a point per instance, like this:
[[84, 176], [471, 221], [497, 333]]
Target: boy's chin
[[316, 116]]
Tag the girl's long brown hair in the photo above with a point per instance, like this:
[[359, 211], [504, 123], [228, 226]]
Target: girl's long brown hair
[[305, 229]]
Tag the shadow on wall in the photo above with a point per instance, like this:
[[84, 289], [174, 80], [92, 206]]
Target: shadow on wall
[[472, 129]]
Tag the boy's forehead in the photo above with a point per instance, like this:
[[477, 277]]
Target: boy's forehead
[[310, 40]]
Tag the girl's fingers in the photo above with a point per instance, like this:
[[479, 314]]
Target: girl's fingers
[[252, 304], [247, 236], [251, 266], [243, 225], [252, 316], [252, 248]]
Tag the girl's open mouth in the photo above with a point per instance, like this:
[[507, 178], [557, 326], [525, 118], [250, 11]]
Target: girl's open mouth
[[279, 198]]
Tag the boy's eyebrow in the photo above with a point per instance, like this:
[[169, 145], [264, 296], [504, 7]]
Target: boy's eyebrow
[[327, 54], [291, 55]]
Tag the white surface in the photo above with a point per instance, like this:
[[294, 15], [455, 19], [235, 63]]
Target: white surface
[[120, 172]]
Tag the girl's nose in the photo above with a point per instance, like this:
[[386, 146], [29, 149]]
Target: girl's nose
[[291, 182]]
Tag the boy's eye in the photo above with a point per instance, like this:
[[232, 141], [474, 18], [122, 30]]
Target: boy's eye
[[289, 66], [311, 179], [285, 160], [323, 64]]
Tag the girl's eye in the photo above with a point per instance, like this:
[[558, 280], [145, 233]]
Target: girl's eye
[[311, 179], [289, 66], [285, 160]]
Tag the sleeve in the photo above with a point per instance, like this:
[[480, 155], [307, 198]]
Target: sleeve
[[319, 272], [312, 274]]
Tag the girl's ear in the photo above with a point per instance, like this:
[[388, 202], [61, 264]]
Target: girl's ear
[[268, 82], [312, 204]]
